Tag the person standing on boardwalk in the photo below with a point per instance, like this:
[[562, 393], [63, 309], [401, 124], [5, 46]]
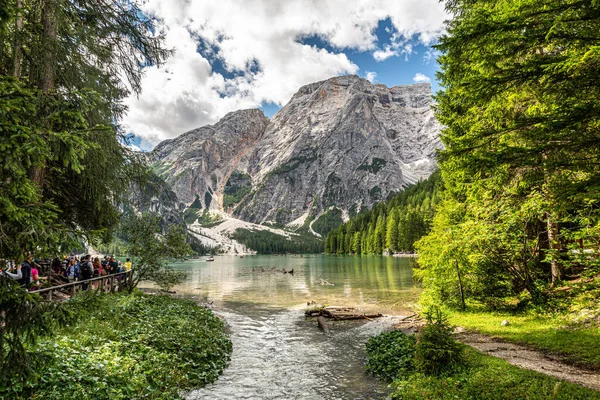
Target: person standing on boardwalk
[[114, 265], [86, 269]]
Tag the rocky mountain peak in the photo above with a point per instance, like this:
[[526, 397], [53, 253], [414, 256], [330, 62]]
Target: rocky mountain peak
[[340, 143]]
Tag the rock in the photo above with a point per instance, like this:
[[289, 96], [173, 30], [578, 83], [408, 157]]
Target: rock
[[505, 323], [342, 143], [339, 145]]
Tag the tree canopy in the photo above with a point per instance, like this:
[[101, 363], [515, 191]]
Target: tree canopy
[[394, 225], [65, 67], [519, 102]]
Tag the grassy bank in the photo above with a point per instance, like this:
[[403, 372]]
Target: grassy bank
[[577, 342], [432, 365], [566, 324], [488, 378], [132, 346]]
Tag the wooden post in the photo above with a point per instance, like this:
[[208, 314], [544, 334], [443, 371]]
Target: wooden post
[[50, 295], [73, 290], [112, 283]]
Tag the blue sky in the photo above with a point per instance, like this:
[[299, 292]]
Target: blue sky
[[231, 55]]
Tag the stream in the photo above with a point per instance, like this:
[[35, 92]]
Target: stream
[[277, 352]]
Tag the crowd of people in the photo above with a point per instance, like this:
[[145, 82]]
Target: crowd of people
[[31, 273]]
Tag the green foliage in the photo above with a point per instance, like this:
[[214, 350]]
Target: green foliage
[[377, 164], [209, 219], [393, 225], [64, 166], [308, 155], [116, 247], [151, 250], [489, 378], [200, 248], [132, 346], [207, 199], [572, 336], [266, 242], [190, 215], [391, 355], [520, 167], [31, 217], [328, 221], [436, 351], [25, 319], [238, 186], [452, 371]]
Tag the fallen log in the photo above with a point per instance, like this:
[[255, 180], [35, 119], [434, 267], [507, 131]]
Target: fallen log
[[341, 313], [323, 324]]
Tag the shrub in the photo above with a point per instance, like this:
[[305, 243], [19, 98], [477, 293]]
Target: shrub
[[488, 378], [436, 351], [391, 355], [132, 347]]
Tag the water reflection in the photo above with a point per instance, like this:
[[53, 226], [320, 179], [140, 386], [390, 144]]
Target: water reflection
[[277, 352], [383, 283]]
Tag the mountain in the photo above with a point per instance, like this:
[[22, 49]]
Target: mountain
[[341, 144]]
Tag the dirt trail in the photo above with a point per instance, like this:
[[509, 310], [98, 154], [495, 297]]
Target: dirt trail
[[515, 354], [524, 357]]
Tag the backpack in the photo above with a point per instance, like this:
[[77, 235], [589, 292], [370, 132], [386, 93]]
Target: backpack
[[26, 274], [86, 270]]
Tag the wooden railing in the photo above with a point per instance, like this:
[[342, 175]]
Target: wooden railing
[[108, 283]]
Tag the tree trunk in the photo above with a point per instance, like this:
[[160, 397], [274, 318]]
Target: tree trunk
[[49, 40], [18, 50], [554, 245], [460, 287], [47, 84]]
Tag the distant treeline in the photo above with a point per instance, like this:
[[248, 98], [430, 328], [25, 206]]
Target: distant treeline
[[393, 225], [200, 248], [265, 242]]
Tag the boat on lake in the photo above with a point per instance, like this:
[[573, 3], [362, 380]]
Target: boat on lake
[[210, 258]]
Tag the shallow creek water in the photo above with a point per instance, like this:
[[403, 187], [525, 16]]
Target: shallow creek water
[[277, 352]]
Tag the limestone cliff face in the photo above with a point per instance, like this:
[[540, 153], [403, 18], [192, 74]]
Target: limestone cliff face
[[342, 142], [199, 163]]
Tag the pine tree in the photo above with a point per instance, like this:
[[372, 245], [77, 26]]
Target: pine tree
[[527, 129], [70, 64], [391, 238]]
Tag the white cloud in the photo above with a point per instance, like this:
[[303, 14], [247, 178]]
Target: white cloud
[[371, 76], [431, 54], [419, 78], [382, 55], [188, 92]]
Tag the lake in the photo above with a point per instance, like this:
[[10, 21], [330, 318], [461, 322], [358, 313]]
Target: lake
[[277, 352]]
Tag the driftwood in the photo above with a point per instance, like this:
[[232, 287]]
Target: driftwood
[[323, 324], [340, 313]]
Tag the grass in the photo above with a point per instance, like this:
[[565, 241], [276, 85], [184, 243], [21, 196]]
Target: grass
[[577, 343], [567, 324], [489, 378], [129, 347]]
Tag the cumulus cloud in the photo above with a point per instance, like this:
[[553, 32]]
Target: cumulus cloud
[[371, 76], [261, 55], [419, 78], [382, 55]]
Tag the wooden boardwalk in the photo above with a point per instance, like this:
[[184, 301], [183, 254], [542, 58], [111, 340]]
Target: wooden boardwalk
[[107, 283]]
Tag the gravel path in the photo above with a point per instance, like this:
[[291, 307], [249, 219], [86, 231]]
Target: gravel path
[[531, 359]]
